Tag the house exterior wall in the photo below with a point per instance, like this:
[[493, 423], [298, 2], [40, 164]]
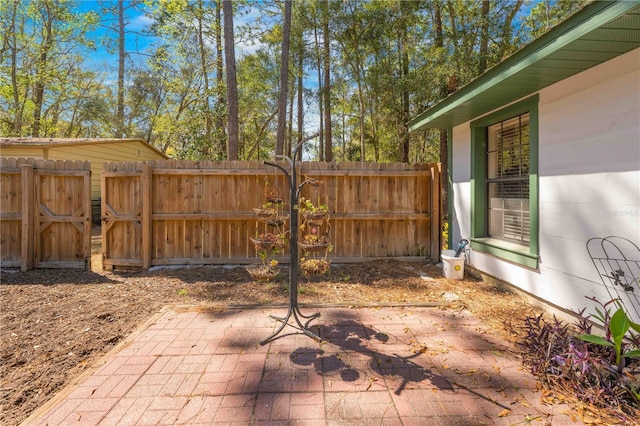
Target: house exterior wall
[[97, 153], [589, 182]]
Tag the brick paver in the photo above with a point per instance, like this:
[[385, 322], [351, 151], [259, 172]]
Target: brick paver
[[388, 366]]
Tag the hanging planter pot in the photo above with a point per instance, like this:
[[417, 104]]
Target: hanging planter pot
[[276, 199], [277, 221], [311, 243], [263, 273], [315, 216], [268, 241], [310, 211], [266, 212], [314, 266]]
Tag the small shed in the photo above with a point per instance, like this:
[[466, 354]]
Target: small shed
[[544, 162], [95, 150]]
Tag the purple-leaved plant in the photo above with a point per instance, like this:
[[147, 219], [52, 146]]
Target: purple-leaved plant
[[567, 357]]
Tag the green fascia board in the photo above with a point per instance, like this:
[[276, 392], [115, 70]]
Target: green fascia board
[[589, 35]]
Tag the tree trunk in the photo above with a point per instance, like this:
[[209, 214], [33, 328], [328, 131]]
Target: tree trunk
[[320, 96], [300, 95], [221, 134], [444, 151], [289, 138], [374, 108], [484, 36], [328, 143], [404, 76], [207, 146], [39, 85], [284, 79], [17, 120], [454, 32], [121, 60], [507, 30], [232, 86]]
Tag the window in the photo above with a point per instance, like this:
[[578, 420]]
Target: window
[[508, 179], [504, 175]]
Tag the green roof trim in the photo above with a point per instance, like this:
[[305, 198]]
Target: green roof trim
[[597, 33]]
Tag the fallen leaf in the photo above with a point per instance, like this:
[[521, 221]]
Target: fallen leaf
[[504, 413]]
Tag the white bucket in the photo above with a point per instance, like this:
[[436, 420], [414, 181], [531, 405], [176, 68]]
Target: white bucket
[[452, 267]]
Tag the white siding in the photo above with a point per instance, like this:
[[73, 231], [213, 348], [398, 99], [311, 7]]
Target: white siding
[[461, 188], [589, 172]]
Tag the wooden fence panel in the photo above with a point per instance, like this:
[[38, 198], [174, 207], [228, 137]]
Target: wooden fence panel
[[201, 212], [52, 228], [383, 210], [10, 213]]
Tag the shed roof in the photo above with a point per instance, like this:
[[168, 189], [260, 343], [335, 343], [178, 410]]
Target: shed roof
[[54, 142], [597, 33]]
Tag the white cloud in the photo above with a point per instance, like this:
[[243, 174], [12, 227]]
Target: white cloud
[[140, 22], [250, 16]]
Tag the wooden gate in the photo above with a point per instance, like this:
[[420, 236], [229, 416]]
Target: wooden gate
[[122, 213], [46, 214]]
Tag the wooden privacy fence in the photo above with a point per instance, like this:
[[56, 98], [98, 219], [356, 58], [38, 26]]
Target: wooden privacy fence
[[45, 213], [201, 212]]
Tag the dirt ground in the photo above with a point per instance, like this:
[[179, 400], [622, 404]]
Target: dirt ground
[[56, 323]]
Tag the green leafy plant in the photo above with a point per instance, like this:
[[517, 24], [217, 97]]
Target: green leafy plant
[[307, 206], [445, 235], [617, 327]]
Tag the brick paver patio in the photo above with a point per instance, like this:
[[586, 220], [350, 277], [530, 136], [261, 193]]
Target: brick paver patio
[[386, 366]]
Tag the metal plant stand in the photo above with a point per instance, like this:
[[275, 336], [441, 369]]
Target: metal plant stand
[[294, 317]]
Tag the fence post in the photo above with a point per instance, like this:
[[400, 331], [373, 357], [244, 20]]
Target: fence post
[[88, 219], [145, 220], [436, 227], [27, 184]]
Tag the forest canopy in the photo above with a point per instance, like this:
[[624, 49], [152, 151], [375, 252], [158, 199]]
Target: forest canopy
[[204, 79]]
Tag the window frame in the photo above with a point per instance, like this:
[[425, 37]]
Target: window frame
[[527, 256]]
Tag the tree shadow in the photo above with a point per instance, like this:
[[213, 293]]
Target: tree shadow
[[351, 336]]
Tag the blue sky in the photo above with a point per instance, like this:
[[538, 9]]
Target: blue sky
[[137, 22]]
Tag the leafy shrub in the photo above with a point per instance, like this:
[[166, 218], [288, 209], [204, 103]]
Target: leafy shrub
[[600, 370]]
